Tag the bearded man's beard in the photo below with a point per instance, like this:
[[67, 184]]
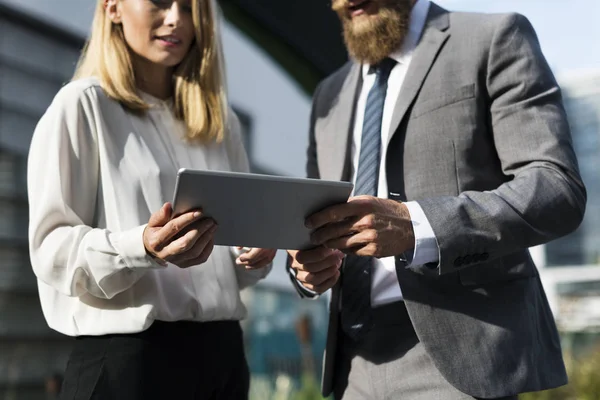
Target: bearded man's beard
[[371, 38]]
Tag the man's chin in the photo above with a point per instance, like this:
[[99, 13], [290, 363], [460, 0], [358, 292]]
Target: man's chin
[[362, 24]]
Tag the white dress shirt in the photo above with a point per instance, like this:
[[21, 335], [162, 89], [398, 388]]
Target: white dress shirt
[[385, 288], [96, 173]]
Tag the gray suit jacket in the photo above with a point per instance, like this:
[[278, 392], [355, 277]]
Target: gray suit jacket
[[481, 141]]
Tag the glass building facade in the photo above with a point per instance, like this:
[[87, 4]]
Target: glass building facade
[[35, 60], [582, 103]]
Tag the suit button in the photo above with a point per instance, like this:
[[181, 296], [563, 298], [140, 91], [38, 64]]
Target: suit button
[[458, 262], [485, 257]]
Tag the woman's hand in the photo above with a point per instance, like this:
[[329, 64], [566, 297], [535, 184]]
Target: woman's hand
[[256, 258], [185, 240]]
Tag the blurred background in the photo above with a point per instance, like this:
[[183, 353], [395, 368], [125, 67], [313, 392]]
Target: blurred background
[[276, 52]]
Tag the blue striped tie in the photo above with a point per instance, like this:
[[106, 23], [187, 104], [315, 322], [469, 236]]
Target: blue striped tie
[[356, 279]]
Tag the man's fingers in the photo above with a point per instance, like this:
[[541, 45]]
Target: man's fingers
[[326, 285], [357, 240], [316, 279], [363, 201], [334, 260], [369, 250], [335, 230], [339, 212], [315, 255]]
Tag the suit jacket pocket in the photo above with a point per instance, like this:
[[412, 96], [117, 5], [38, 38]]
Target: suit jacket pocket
[[443, 100], [512, 267]]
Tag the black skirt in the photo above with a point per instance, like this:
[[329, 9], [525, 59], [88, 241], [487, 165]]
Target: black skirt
[[170, 360]]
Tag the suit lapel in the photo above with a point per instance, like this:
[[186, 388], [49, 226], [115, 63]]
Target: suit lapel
[[433, 39], [339, 126]]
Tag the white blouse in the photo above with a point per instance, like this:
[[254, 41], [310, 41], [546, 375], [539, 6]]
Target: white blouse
[[96, 173]]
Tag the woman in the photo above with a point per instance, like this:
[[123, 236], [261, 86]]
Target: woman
[[153, 304]]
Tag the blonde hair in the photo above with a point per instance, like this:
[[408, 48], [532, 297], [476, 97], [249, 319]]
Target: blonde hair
[[198, 81]]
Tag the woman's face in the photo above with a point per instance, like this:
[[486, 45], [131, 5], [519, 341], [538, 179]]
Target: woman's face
[[159, 31]]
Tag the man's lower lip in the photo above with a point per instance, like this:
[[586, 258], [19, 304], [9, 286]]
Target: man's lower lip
[[360, 10]]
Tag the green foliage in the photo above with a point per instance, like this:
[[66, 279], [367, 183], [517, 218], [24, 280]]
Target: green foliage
[[309, 389], [584, 380], [283, 388]]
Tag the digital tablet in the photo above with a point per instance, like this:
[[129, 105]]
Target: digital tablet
[[254, 210]]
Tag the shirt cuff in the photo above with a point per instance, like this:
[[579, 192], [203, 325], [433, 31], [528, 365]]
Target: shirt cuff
[[130, 246], [426, 249]]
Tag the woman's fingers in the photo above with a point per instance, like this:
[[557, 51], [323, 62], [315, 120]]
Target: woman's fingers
[[156, 236], [256, 258], [190, 244]]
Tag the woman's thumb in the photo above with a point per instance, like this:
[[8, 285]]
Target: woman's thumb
[[162, 216]]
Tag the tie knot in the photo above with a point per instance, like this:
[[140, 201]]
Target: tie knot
[[383, 68]]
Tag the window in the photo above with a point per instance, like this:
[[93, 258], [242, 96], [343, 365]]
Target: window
[[13, 175], [40, 53], [582, 246]]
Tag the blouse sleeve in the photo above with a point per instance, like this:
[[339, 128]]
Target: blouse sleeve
[[67, 251]]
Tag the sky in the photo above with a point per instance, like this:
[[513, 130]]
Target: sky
[[569, 31]]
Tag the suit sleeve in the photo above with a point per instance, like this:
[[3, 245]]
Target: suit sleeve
[[545, 197], [312, 167]]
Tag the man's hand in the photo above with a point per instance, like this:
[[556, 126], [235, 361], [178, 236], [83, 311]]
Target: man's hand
[[366, 226], [317, 269]]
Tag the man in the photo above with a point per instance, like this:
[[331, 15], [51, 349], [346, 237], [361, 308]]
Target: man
[[451, 126]]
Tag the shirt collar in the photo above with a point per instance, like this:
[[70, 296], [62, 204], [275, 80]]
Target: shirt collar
[[418, 18], [155, 101]]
